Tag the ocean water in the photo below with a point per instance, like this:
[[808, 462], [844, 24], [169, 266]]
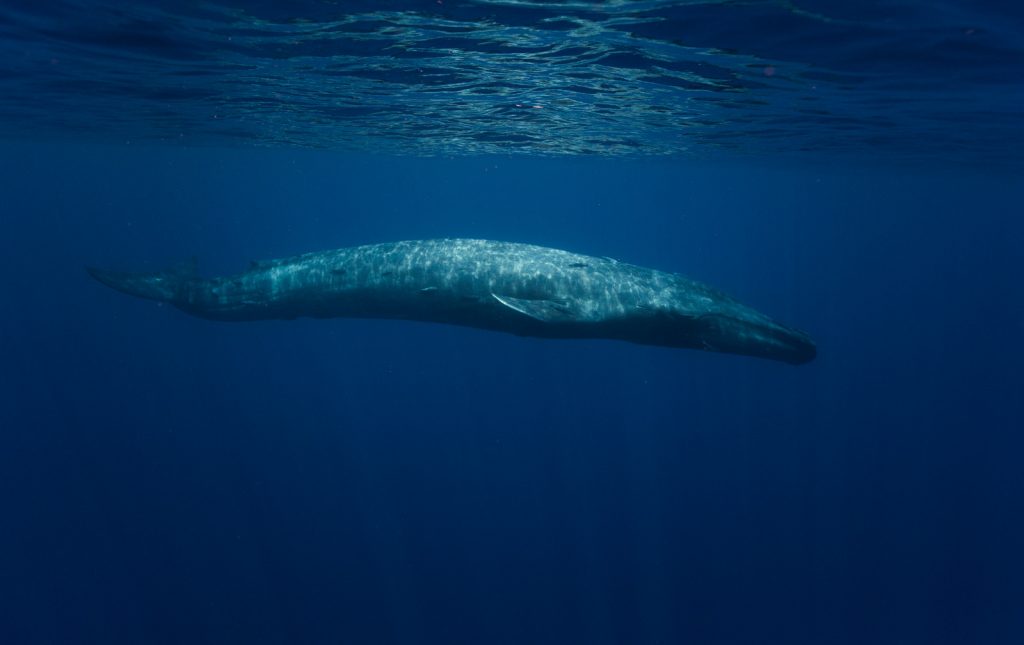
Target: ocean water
[[852, 169]]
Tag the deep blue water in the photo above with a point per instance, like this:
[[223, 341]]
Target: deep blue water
[[165, 479]]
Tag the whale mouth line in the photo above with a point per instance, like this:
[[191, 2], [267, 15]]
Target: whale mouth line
[[761, 337]]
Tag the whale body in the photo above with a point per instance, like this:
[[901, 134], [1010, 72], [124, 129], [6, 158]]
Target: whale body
[[516, 288]]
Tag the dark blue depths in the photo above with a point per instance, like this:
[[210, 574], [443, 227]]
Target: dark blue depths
[[171, 480]]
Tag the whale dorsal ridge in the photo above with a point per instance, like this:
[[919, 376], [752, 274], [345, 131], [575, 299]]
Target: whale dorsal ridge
[[188, 268]]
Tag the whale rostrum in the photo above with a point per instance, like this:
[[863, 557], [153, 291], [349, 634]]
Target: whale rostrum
[[516, 288]]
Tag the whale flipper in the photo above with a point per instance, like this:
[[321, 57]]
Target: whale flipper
[[548, 311]]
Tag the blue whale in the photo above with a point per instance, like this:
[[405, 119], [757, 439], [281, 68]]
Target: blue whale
[[516, 288]]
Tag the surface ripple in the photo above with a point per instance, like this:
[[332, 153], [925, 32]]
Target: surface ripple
[[895, 78]]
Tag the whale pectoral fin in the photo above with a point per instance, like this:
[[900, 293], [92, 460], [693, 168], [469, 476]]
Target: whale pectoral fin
[[542, 310]]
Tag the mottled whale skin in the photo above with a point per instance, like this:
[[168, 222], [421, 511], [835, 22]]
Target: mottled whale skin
[[517, 288]]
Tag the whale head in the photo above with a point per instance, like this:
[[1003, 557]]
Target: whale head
[[750, 333]]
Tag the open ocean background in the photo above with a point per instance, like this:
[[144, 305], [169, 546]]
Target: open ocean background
[[853, 169]]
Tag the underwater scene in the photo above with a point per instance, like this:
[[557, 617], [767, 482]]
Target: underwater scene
[[639, 322]]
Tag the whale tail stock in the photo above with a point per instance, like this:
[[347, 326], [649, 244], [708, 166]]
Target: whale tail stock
[[165, 286]]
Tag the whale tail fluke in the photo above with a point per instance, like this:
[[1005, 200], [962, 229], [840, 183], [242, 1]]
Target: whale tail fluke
[[165, 286]]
